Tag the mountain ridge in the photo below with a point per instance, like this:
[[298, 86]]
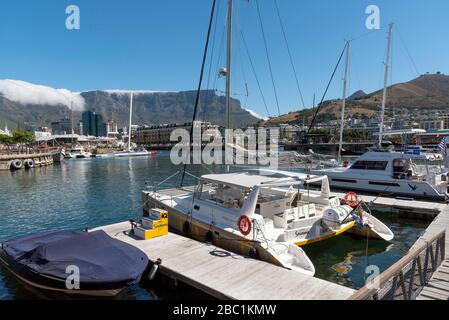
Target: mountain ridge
[[42, 105]]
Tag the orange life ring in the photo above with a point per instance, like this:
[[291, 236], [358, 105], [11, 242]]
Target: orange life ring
[[352, 199], [245, 225]]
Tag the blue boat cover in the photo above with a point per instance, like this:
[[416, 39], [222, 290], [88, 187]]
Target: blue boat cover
[[100, 258]]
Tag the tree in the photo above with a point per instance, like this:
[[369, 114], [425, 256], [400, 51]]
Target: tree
[[22, 136], [5, 139]]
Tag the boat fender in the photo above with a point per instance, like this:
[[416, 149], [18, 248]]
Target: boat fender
[[186, 227], [253, 253], [154, 269], [209, 237], [29, 163], [17, 164]]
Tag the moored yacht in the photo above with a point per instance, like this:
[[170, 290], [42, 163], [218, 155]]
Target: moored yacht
[[260, 213], [391, 173], [77, 153]]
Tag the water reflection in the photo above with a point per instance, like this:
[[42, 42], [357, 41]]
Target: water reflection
[[88, 193]]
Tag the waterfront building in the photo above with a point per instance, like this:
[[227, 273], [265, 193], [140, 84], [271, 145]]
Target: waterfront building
[[112, 128], [160, 134], [63, 126], [93, 124], [5, 132]]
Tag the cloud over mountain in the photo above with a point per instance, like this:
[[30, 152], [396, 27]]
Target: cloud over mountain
[[27, 93]]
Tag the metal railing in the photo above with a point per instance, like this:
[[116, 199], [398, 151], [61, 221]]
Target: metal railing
[[405, 279]]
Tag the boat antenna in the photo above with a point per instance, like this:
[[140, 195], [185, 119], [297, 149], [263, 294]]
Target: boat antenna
[[384, 95], [195, 110], [343, 105], [130, 119]]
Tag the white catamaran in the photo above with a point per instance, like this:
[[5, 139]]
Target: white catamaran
[[267, 214]]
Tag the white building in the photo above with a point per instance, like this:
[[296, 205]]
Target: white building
[[5, 132]]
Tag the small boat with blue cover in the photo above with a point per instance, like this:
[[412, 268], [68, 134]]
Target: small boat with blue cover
[[74, 262]]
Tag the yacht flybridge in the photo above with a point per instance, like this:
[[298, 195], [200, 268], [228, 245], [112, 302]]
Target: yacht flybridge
[[261, 213], [392, 173]]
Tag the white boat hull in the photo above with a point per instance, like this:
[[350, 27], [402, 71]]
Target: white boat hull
[[392, 187]]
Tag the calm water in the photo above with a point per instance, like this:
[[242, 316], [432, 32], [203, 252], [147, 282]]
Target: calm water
[[89, 193]]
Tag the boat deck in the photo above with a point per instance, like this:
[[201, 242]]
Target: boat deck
[[226, 275]]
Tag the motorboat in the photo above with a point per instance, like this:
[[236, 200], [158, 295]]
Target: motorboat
[[391, 173], [48, 261], [77, 153], [136, 152], [267, 214]]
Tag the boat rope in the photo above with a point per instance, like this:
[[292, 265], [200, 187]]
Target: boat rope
[[366, 255], [327, 89], [206, 47], [268, 57], [203, 113], [255, 73], [407, 51], [289, 53]]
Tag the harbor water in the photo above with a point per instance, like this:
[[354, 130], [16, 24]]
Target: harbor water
[[79, 194]]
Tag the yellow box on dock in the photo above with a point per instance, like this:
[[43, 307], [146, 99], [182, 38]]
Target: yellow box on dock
[[156, 225]]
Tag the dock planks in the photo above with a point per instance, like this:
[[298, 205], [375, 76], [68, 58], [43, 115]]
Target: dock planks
[[438, 287], [226, 275]]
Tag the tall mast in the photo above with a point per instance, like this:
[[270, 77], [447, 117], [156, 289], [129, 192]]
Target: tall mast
[[228, 66], [384, 97], [130, 120], [71, 118], [343, 106]]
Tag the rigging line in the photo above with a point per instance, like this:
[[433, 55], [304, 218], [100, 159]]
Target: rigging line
[[327, 89], [243, 71], [219, 58], [407, 51], [203, 110], [268, 57], [255, 73], [195, 110], [289, 54]]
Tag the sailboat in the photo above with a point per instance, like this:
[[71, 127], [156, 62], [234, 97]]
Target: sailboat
[[130, 152], [264, 214], [383, 170]]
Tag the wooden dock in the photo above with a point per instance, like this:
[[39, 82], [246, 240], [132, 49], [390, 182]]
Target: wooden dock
[[226, 275], [438, 286], [423, 274]]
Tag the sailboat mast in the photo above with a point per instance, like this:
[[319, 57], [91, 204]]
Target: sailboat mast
[[130, 120], [345, 94], [228, 66], [71, 118], [384, 96]]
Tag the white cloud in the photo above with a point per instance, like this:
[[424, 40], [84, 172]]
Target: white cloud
[[254, 114], [28, 93]]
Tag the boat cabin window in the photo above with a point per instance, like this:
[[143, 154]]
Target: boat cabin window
[[370, 165], [402, 169]]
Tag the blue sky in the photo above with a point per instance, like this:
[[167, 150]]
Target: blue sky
[[158, 45]]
